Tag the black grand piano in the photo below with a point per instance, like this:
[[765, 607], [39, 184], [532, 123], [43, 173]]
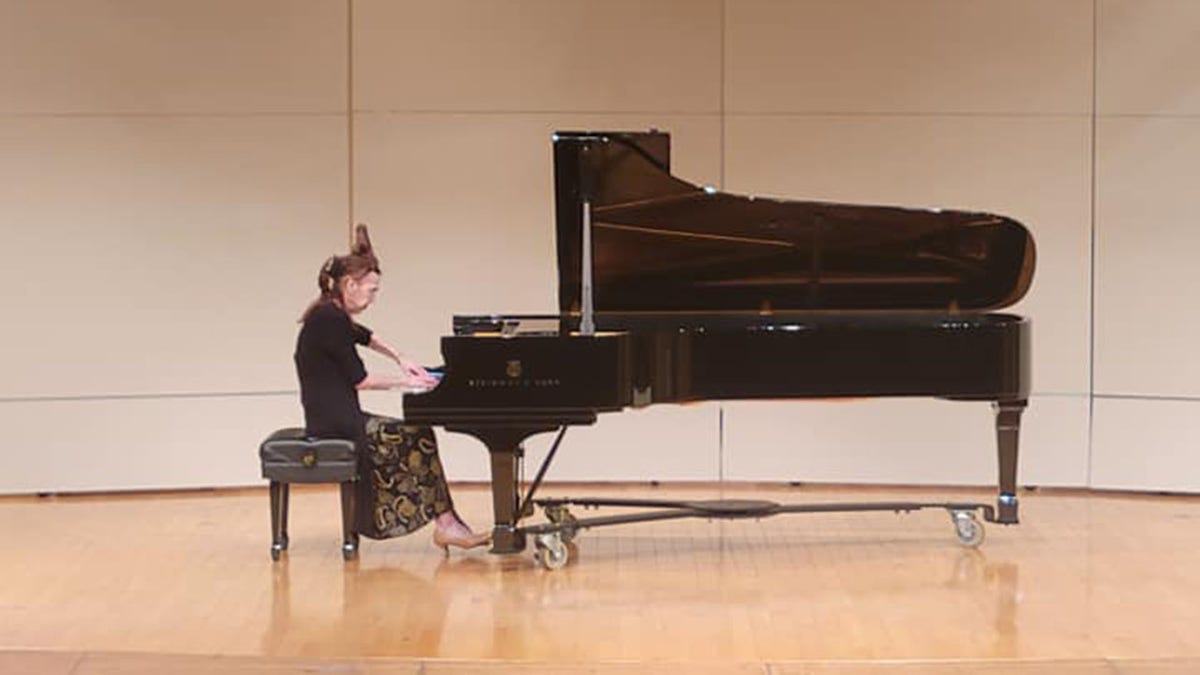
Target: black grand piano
[[670, 292]]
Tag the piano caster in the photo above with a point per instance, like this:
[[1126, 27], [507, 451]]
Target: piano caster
[[278, 547], [551, 551], [968, 528], [349, 550], [559, 515]]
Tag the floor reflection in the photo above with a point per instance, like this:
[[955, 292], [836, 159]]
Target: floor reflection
[[1001, 580], [376, 610], [649, 591]]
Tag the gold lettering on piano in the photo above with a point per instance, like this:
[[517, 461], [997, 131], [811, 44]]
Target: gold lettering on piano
[[514, 383], [513, 369]]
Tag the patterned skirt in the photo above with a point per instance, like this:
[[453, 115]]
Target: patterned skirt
[[401, 484]]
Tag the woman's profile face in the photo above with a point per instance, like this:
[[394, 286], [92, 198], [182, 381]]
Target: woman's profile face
[[358, 294]]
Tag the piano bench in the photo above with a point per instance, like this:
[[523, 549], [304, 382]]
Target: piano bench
[[288, 456]]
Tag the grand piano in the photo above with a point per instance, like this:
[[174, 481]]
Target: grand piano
[[671, 292]]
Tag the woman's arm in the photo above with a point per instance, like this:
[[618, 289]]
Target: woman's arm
[[412, 368], [385, 382], [403, 381], [412, 375]]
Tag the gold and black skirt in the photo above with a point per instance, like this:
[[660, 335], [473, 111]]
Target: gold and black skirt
[[401, 484]]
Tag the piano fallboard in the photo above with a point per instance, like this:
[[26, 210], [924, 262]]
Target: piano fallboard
[[497, 378]]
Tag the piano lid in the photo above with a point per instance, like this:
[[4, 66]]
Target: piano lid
[[661, 244]]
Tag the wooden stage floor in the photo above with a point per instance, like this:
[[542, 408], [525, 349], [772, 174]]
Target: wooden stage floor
[[1089, 583]]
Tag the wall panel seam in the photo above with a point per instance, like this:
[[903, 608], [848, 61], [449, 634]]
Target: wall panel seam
[[721, 178], [1146, 397], [219, 114], [721, 89], [1144, 116], [147, 397], [910, 114], [349, 112], [1091, 417], [530, 111]]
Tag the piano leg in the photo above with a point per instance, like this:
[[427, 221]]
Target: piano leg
[[505, 495], [504, 446], [1008, 430]]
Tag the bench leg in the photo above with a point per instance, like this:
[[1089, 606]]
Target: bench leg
[[287, 503], [279, 513], [349, 514]]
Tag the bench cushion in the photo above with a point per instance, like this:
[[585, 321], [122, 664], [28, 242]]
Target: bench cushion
[[287, 455]]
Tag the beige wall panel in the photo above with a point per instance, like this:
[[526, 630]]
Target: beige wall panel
[[1055, 442], [861, 441], [661, 443], [1146, 245], [1146, 444], [917, 441], [994, 56], [155, 254], [1036, 170], [1146, 56], [537, 55], [129, 444], [147, 56], [462, 211], [664, 442]]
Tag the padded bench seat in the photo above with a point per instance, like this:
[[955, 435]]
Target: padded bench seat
[[289, 456]]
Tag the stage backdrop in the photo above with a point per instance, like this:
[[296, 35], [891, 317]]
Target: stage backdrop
[[173, 174]]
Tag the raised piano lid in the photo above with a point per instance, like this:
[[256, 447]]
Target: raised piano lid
[[661, 244]]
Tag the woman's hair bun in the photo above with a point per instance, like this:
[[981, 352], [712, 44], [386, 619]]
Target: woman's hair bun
[[362, 247], [362, 242]]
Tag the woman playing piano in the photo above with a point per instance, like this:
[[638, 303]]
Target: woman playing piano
[[401, 484]]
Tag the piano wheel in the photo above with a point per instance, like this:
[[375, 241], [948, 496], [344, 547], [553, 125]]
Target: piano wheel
[[968, 528], [551, 551]]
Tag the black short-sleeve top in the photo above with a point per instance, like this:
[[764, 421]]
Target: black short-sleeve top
[[328, 366]]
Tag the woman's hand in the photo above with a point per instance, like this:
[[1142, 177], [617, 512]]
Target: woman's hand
[[425, 381], [402, 381], [413, 375], [413, 369], [407, 366]]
